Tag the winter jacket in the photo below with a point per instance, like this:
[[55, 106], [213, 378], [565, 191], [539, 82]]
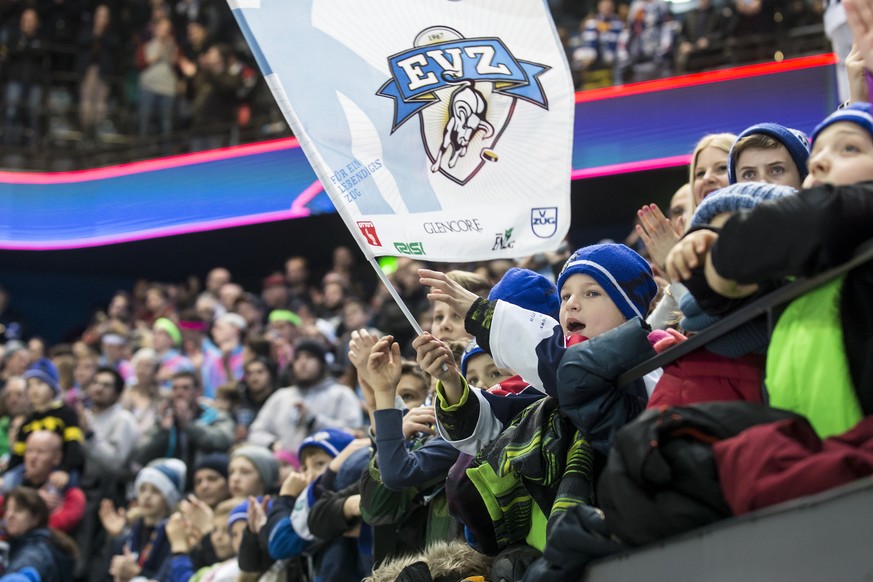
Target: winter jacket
[[702, 376], [784, 460], [586, 382], [660, 478], [36, 549]]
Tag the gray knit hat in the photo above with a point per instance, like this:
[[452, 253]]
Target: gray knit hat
[[263, 460]]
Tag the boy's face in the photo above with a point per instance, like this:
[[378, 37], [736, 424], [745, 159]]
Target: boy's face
[[220, 537], [841, 155], [483, 373], [773, 166], [586, 309], [151, 502], [39, 393], [315, 461], [243, 479], [412, 390], [446, 325]]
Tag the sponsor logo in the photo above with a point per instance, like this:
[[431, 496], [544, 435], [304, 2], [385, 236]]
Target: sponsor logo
[[544, 221], [502, 240], [414, 248], [464, 92], [368, 229], [452, 226]]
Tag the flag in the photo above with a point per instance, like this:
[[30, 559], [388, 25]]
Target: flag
[[441, 129]]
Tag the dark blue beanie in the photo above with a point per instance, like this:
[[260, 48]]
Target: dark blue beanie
[[857, 113], [624, 275], [795, 141]]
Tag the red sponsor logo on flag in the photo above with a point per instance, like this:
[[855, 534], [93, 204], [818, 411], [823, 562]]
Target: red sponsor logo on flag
[[368, 229]]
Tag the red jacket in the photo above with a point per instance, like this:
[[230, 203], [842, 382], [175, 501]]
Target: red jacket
[[702, 376], [68, 514]]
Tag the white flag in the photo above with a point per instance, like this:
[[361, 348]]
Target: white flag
[[440, 129]]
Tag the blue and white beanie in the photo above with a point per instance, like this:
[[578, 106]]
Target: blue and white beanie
[[736, 197], [794, 140], [528, 290], [330, 440], [167, 476], [624, 275], [857, 113]]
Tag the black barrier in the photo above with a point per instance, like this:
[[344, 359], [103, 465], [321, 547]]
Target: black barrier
[[761, 306]]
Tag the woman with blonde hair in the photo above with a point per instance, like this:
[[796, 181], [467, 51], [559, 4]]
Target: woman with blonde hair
[[708, 170]]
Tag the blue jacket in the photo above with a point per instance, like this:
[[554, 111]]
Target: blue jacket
[[37, 550]]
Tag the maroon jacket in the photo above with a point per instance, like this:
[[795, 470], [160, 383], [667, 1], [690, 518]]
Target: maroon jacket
[[702, 376]]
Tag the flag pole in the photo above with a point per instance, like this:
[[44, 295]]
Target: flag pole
[[393, 291]]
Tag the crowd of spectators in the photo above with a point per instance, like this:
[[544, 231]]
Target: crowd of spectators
[[169, 76]]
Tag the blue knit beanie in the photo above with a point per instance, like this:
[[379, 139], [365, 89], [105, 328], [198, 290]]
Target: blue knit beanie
[[46, 371], [167, 476], [529, 290], [794, 140], [857, 113], [736, 197], [624, 275], [471, 351]]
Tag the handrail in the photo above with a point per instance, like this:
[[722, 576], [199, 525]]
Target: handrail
[[756, 308]]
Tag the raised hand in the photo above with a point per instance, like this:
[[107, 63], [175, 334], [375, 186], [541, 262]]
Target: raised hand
[[383, 371], [859, 14], [657, 233], [419, 419], [689, 253], [444, 289], [435, 358], [295, 483], [113, 520]]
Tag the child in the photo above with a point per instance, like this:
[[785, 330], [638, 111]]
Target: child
[[479, 369], [818, 360], [769, 152], [145, 550], [732, 366], [253, 470], [50, 413], [402, 489], [282, 538], [600, 286], [224, 538]]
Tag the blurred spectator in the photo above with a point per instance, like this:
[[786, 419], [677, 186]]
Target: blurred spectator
[[98, 48], [157, 81], [702, 35], [214, 97], [27, 56], [594, 58], [16, 359], [648, 41]]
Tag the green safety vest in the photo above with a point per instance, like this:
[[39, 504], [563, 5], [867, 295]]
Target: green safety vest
[[807, 369]]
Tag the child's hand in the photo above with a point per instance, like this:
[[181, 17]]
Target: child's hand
[[858, 92], [124, 567], [59, 479], [657, 233], [352, 507], [257, 514], [177, 534], [435, 358], [383, 371], [359, 349], [198, 514], [294, 484], [444, 289], [689, 253], [419, 419], [113, 520]]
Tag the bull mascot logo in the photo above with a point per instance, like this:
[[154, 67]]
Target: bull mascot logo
[[464, 91]]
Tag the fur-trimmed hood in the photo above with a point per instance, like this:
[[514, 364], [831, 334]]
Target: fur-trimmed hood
[[455, 560]]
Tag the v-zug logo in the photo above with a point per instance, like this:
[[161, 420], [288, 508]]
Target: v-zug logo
[[544, 221], [464, 91]]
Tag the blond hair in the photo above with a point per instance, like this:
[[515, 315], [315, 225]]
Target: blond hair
[[720, 141]]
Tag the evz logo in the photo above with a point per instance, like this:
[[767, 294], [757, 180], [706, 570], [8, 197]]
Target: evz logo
[[413, 248], [502, 242], [464, 91], [368, 229], [544, 221]]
